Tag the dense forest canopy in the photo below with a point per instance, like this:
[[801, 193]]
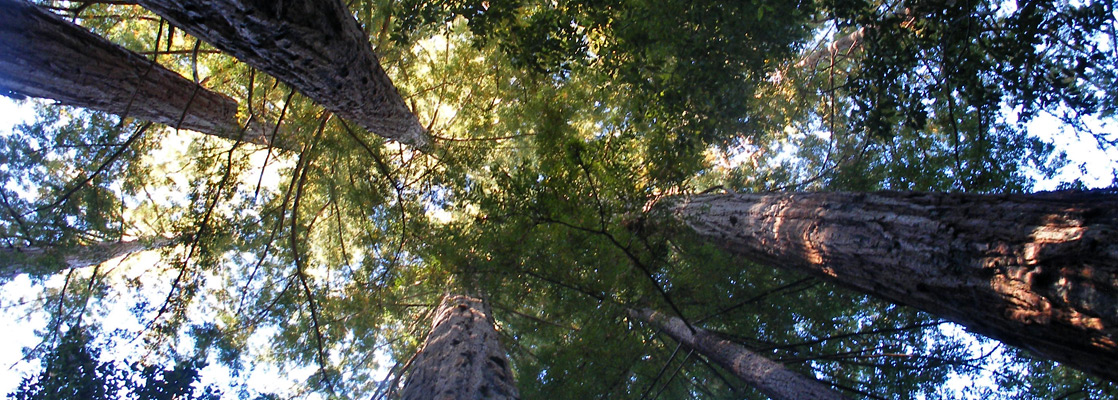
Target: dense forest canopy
[[311, 242]]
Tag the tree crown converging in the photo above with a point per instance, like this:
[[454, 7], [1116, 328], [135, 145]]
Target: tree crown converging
[[613, 194]]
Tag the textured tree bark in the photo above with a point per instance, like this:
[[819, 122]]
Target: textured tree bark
[[16, 261], [770, 377], [313, 45], [1037, 271], [461, 358], [42, 55]]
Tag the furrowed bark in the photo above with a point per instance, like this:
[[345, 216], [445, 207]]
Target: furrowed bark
[[313, 45], [43, 55], [1036, 271], [461, 358], [770, 377], [16, 261]]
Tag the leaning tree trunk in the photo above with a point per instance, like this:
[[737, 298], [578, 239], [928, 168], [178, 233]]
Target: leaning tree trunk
[[51, 260], [43, 55], [462, 358], [313, 45], [770, 377], [1037, 271]]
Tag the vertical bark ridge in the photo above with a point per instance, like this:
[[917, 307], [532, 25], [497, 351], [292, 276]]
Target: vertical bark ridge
[[43, 55], [462, 358], [316, 46], [1037, 271], [769, 377]]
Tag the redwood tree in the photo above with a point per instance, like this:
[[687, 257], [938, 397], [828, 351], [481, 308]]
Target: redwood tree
[[42, 55], [462, 357], [769, 377], [314, 46], [1037, 271], [24, 260]]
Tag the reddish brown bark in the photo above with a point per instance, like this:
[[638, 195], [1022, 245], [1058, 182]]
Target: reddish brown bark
[[42, 55], [313, 45], [1037, 271], [461, 358], [767, 376]]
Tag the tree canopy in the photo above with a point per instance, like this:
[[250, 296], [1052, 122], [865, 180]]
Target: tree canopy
[[555, 127]]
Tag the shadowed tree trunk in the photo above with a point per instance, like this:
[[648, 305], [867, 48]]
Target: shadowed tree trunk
[[42, 55], [1037, 271], [770, 377], [316, 46], [15, 261], [461, 358]]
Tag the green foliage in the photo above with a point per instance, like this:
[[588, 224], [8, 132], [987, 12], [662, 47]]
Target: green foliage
[[933, 97], [176, 383], [64, 175], [559, 125], [938, 93], [675, 63], [73, 370], [1047, 380]]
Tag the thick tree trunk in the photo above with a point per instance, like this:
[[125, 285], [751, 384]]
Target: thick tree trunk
[[462, 358], [1037, 271], [770, 377], [313, 45], [42, 55], [15, 261]]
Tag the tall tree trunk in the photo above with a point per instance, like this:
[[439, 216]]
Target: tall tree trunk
[[313, 45], [461, 358], [15, 261], [43, 55], [1037, 271], [770, 377]]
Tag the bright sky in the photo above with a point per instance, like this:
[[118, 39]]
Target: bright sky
[[1097, 166]]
